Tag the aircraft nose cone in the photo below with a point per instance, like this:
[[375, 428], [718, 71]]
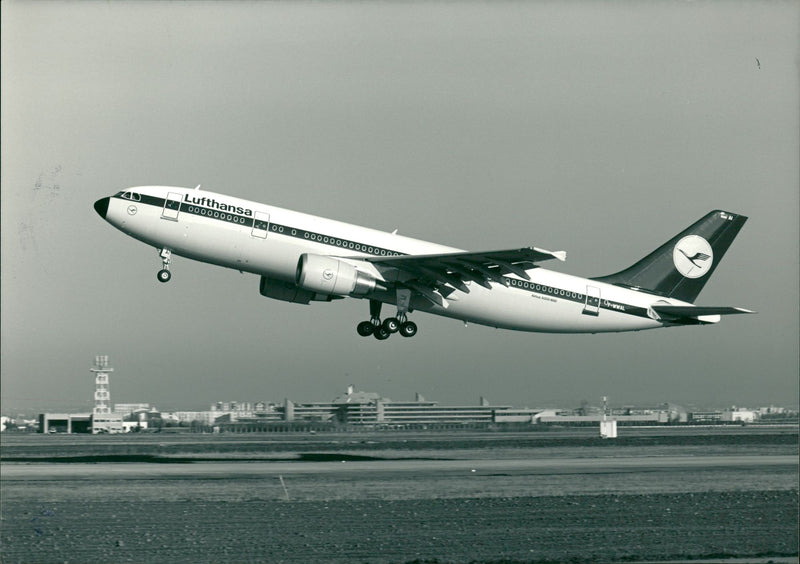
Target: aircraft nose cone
[[101, 206]]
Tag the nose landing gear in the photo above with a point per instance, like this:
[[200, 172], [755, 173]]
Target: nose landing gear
[[164, 275], [382, 330]]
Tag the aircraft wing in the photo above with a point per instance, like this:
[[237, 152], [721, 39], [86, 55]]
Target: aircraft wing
[[689, 315], [438, 275]]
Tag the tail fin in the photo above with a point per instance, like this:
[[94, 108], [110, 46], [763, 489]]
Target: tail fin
[[681, 267]]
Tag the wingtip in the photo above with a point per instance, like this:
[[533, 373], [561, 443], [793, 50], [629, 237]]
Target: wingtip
[[560, 255]]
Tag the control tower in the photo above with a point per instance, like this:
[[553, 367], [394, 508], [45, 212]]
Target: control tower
[[102, 394], [103, 421]]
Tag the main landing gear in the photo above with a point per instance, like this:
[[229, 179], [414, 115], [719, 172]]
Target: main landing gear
[[164, 275], [382, 330]]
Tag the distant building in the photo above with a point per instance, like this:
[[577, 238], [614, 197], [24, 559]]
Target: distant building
[[107, 423], [132, 426], [306, 411], [705, 416], [241, 409], [629, 414], [126, 409], [150, 417], [204, 417], [369, 409], [65, 423], [423, 413], [739, 415]]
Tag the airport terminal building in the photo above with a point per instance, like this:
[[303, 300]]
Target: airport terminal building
[[368, 410], [358, 409]]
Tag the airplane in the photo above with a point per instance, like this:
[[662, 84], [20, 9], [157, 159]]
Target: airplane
[[302, 258]]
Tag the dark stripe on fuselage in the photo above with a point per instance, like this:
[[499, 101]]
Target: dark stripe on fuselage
[[553, 293], [254, 223], [541, 291]]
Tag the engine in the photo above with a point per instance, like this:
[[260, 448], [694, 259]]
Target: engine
[[327, 275], [288, 292]]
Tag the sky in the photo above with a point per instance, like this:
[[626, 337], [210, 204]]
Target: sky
[[600, 129]]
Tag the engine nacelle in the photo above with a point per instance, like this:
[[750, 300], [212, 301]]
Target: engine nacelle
[[288, 292], [327, 275]]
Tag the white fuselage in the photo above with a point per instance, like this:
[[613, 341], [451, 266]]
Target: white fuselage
[[268, 241]]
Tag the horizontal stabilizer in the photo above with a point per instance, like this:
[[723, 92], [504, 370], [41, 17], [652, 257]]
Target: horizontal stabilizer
[[695, 314]]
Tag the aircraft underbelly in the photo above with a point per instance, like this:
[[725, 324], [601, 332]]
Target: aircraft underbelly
[[509, 308]]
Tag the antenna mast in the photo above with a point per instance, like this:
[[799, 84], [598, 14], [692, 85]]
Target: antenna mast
[[102, 393]]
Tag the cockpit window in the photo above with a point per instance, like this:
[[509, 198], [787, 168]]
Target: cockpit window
[[133, 196]]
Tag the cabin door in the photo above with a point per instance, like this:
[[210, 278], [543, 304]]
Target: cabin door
[[260, 225], [592, 304], [172, 206]]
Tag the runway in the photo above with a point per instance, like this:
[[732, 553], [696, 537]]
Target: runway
[[533, 466], [385, 501]]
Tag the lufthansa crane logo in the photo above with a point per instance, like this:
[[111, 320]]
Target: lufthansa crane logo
[[327, 274], [693, 256]]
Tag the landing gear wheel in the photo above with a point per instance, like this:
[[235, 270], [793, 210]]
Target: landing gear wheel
[[391, 325], [381, 334], [365, 328], [408, 329], [166, 257]]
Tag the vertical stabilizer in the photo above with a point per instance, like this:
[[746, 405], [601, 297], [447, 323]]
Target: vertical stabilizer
[[681, 267]]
